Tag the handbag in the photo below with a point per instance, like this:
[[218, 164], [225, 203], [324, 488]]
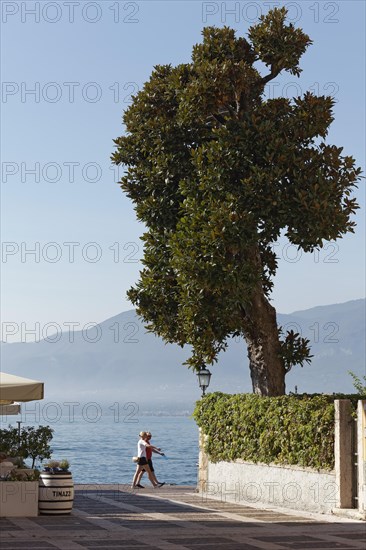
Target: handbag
[[135, 459]]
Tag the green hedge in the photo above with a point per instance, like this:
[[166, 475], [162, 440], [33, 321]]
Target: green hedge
[[294, 429]]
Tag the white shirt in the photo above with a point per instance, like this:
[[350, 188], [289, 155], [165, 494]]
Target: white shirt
[[141, 448]]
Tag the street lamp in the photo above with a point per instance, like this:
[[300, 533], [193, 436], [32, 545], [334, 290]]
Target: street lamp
[[204, 377]]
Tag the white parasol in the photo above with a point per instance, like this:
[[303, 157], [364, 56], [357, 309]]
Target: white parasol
[[15, 388]]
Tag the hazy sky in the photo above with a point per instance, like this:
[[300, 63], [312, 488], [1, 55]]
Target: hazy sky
[[71, 244]]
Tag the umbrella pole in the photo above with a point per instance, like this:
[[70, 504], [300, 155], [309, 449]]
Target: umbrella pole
[[19, 423]]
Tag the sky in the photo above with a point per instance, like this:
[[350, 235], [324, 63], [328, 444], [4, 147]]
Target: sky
[[70, 239]]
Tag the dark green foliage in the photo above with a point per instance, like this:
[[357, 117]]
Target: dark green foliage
[[294, 350], [296, 429], [9, 441], [33, 442], [217, 173]]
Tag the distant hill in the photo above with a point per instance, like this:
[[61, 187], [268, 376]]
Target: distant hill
[[126, 364]]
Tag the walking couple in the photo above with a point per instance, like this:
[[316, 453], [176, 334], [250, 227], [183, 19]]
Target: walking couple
[[144, 462]]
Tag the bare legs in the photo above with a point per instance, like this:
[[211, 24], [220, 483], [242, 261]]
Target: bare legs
[[152, 474], [139, 471]]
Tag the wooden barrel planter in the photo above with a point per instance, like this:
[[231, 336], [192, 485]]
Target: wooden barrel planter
[[56, 493]]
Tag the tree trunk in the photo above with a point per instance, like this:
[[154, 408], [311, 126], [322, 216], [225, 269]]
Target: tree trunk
[[260, 330]]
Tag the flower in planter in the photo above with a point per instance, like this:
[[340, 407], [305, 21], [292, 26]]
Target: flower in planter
[[64, 465], [56, 466], [51, 466]]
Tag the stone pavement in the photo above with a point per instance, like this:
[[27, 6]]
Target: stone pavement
[[174, 518]]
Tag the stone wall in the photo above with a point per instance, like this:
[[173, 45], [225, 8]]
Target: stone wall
[[285, 486], [295, 487]]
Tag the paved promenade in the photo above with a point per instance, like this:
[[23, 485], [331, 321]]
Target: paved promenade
[[174, 518]]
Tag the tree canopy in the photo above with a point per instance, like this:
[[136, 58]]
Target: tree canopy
[[218, 172]]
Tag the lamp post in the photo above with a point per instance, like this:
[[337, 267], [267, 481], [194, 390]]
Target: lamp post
[[204, 377], [19, 432]]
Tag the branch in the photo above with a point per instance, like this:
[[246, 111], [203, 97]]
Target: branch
[[270, 76], [219, 118], [231, 110], [242, 310]]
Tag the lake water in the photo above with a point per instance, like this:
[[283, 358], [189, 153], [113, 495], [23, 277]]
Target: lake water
[[100, 444]]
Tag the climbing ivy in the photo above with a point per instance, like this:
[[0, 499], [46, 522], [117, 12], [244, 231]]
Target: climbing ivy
[[293, 429]]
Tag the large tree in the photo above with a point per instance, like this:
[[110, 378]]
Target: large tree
[[218, 173]]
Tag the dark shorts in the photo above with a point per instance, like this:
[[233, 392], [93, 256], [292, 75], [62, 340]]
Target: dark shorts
[[149, 461], [142, 461]]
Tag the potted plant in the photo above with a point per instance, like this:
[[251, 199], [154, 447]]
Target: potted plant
[[19, 486], [56, 488], [19, 493]]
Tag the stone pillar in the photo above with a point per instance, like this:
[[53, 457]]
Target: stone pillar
[[343, 452], [361, 452], [202, 463]]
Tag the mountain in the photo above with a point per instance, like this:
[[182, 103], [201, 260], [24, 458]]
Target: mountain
[[118, 361]]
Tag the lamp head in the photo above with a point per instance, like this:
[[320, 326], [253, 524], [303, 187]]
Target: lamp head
[[204, 377]]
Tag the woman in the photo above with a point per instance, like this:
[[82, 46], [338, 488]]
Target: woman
[[142, 463], [150, 449]]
